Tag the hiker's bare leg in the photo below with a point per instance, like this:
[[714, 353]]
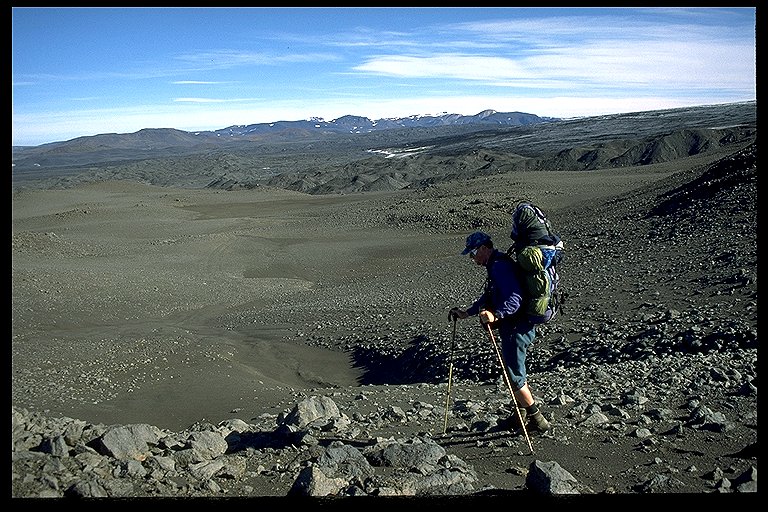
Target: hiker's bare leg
[[523, 396]]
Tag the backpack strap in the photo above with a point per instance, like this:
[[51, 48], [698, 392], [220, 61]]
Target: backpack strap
[[552, 239]]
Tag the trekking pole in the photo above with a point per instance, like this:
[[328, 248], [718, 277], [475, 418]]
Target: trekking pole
[[450, 373], [509, 385]]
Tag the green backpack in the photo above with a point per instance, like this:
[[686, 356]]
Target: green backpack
[[538, 251]]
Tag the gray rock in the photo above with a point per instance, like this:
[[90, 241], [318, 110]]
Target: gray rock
[[341, 460], [207, 445], [312, 481], [550, 478], [419, 455], [128, 442], [314, 410], [55, 446]]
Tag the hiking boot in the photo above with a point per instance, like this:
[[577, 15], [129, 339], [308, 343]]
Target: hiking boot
[[537, 423], [514, 422]]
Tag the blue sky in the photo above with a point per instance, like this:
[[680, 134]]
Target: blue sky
[[86, 71]]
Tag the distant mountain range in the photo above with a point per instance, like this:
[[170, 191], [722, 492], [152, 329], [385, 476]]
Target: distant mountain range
[[349, 124], [354, 153], [358, 124]]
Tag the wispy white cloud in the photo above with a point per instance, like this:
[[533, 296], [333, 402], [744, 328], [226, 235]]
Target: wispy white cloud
[[198, 100], [199, 82], [223, 59], [610, 63], [466, 67], [213, 100]]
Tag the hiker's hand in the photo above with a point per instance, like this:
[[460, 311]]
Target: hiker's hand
[[487, 317], [455, 313]]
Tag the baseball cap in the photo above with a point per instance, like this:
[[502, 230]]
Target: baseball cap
[[474, 241]]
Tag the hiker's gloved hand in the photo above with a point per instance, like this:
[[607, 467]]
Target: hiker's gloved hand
[[487, 317], [455, 313]]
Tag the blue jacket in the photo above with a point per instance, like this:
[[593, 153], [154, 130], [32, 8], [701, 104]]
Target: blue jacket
[[503, 292]]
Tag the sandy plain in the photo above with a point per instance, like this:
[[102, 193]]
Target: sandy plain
[[133, 302]]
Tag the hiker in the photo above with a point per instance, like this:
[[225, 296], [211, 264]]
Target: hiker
[[500, 305]]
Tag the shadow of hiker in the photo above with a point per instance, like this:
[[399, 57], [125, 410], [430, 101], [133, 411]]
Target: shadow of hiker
[[277, 439]]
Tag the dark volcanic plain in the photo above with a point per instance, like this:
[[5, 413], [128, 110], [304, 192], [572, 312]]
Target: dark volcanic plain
[[211, 290]]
